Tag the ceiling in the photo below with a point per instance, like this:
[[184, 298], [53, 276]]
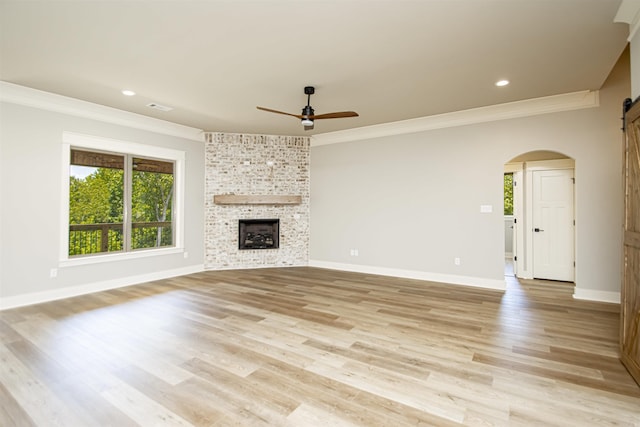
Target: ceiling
[[213, 62]]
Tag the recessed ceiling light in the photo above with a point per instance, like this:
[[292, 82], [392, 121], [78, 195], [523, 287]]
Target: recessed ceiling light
[[128, 92], [502, 82]]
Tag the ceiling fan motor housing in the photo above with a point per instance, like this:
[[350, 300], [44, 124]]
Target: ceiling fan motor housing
[[307, 111]]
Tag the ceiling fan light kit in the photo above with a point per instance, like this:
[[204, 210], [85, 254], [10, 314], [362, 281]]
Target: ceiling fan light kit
[[308, 115]]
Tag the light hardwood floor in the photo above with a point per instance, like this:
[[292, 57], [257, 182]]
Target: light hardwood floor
[[314, 347]]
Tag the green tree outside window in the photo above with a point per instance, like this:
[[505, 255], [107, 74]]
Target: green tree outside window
[[97, 203], [508, 194]]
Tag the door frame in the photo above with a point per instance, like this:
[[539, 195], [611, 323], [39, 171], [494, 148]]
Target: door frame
[[517, 249], [523, 210]]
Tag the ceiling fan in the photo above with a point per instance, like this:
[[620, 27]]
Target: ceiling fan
[[308, 116]]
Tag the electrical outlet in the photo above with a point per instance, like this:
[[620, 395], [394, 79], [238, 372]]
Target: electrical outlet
[[456, 261], [53, 273]]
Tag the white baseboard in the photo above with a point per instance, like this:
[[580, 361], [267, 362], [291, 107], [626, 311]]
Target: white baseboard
[[72, 291], [600, 296], [477, 282]]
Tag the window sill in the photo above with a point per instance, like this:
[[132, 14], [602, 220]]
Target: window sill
[[121, 256]]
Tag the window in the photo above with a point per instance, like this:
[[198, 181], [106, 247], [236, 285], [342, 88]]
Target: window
[[508, 193], [120, 202], [151, 202], [96, 205]]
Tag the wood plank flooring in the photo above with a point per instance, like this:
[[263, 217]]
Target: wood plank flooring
[[315, 347]]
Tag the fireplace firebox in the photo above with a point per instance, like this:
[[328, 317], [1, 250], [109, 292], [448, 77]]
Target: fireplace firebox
[[258, 234]]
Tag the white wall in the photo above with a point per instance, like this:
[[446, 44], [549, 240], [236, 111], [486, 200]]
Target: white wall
[[30, 190], [508, 236], [411, 203]]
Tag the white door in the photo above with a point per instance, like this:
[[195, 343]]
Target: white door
[[553, 226]]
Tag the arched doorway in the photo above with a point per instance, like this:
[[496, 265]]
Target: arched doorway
[[542, 231]]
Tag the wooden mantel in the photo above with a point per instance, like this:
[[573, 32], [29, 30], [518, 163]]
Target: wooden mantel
[[239, 199]]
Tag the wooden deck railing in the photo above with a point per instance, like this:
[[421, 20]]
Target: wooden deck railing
[[107, 237]]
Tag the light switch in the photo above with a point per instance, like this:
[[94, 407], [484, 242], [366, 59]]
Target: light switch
[[486, 208]]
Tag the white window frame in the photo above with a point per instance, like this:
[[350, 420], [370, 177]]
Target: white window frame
[[77, 140]]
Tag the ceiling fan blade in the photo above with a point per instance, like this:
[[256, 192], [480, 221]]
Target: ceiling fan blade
[[336, 115], [279, 112]]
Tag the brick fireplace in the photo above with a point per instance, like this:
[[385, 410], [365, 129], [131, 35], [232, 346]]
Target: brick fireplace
[[252, 177]]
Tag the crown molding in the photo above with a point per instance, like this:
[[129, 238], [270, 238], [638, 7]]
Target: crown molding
[[22, 95], [509, 110], [629, 12]]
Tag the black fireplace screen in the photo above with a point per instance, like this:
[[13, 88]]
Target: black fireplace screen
[[258, 233]]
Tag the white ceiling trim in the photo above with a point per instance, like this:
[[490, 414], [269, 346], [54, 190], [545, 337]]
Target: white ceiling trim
[[509, 110], [29, 97], [22, 95], [629, 12]]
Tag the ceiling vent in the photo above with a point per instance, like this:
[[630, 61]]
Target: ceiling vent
[[159, 107]]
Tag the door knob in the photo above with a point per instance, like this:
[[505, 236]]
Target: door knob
[[537, 230]]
